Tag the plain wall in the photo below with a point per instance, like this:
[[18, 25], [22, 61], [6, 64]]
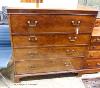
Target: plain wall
[[59, 4]]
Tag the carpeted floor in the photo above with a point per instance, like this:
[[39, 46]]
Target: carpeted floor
[[91, 82]]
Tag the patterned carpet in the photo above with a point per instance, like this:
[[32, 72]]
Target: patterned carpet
[[92, 82]]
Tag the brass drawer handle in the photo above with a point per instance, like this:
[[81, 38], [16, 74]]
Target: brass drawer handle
[[66, 64], [76, 24], [32, 23], [72, 39], [70, 52], [32, 54], [96, 40], [33, 38], [98, 64], [93, 47], [91, 55], [73, 50], [32, 67], [89, 64]]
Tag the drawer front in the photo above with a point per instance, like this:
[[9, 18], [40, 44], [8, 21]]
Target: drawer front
[[51, 23], [94, 54], [49, 65], [95, 43], [50, 52], [50, 40], [93, 63], [95, 47], [95, 40], [77, 63]]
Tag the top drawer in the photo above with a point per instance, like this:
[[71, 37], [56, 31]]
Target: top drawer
[[25, 23]]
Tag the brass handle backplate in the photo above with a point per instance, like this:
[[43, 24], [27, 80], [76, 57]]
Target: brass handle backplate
[[33, 38], [32, 54], [70, 52], [67, 64], [32, 67], [77, 25], [98, 64], [32, 23], [72, 39]]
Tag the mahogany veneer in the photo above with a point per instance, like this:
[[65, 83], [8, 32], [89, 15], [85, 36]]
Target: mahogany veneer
[[50, 41]]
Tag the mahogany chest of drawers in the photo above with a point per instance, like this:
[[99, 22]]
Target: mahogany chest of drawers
[[49, 41]]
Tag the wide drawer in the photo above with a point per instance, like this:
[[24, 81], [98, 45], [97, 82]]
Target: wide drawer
[[48, 65], [94, 54], [49, 52], [53, 39], [94, 63], [51, 23]]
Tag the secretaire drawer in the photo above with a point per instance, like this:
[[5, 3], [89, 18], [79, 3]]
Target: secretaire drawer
[[48, 65], [51, 23], [50, 52], [53, 39]]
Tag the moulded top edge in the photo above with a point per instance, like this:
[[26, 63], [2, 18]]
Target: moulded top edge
[[51, 11]]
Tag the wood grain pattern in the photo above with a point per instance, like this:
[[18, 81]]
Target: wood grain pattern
[[48, 65], [50, 41], [95, 63], [94, 54], [51, 23], [49, 52]]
